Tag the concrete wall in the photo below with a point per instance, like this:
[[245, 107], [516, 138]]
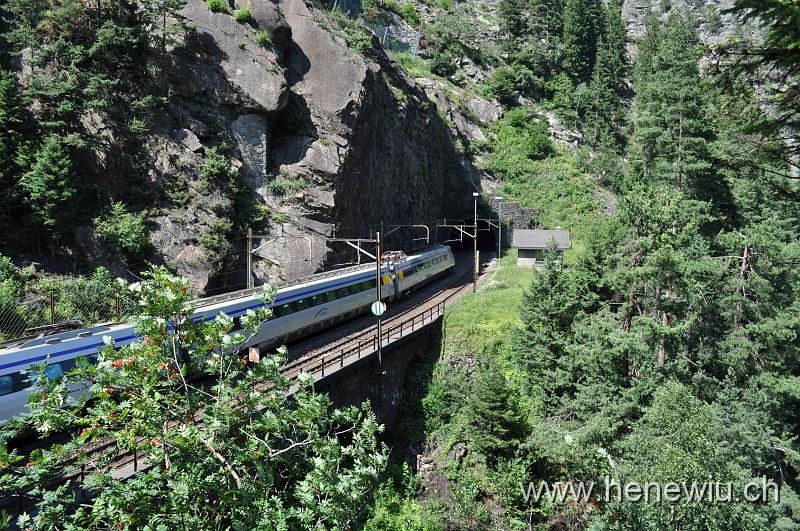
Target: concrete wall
[[530, 257]]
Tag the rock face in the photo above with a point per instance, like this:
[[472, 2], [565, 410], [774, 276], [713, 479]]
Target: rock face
[[713, 26], [326, 139]]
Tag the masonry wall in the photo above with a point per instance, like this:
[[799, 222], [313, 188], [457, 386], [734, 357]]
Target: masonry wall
[[382, 385]]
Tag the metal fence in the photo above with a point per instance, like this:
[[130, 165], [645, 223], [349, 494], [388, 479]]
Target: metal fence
[[53, 305]]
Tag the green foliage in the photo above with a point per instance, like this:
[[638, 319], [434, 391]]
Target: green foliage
[[522, 138], [242, 16], [412, 64], [501, 85], [123, 229], [25, 297], [406, 10], [680, 438], [455, 35], [583, 25], [216, 167], [675, 150], [263, 38], [285, 186], [323, 462], [495, 427], [396, 510], [216, 241], [359, 40], [10, 122], [443, 64], [218, 6], [409, 13], [50, 185]]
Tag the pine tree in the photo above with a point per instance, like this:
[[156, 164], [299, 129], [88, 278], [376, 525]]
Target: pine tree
[[616, 39], [10, 122], [583, 25], [672, 132], [513, 17], [50, 185], [604, 117], [495, 424], [647, 48]]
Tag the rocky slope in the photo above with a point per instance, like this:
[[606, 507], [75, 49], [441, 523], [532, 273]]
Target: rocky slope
[[328, 137]]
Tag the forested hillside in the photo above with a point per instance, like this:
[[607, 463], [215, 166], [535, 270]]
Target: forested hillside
[[663, 135], [664, 347]]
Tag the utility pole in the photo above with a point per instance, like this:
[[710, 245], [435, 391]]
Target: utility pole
[[475, 245], [378, 293], [249, 258], [499, 227], [355, 243]]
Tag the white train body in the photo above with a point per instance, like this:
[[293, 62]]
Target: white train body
[[300, 308]]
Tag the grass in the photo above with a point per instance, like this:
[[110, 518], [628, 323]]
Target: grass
[[242, 16], [285, 186], [486, 318], [217, 6], [413, 65], [262, 38]]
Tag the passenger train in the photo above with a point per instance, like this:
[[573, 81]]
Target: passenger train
[[300, 308]]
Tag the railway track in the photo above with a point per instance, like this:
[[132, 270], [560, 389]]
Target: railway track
[[355, 338]]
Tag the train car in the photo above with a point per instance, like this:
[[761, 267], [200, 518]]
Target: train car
[[300, 308], [422, 269]]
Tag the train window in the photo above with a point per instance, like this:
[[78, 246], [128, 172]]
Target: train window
[[364, 286], [6, 384], [298, 306], [237, 324], [343, 292], [20, 381], [330, 296], [282, 310], [54, 371], [316, 300]]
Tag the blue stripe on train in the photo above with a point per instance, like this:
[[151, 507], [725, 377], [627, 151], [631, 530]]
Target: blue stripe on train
[[289, 298]]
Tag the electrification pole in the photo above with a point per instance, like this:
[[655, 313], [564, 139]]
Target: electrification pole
[[378, 292], [249, 258], [499, 227], [475, 245]]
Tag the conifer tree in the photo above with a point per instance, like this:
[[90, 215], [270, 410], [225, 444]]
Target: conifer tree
[[583, 25], [604, 116], [494, 421], [672, 132], [10, 121], [616, 38], [50, 185]]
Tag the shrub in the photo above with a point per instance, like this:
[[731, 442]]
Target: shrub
[[358, 39], [8, 270], [262, 38], [501, 86], [217, 6], [285, 186], [443, 64], [215, 166], [409, 13], [216, 241], [124, 230], [242, 15]]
